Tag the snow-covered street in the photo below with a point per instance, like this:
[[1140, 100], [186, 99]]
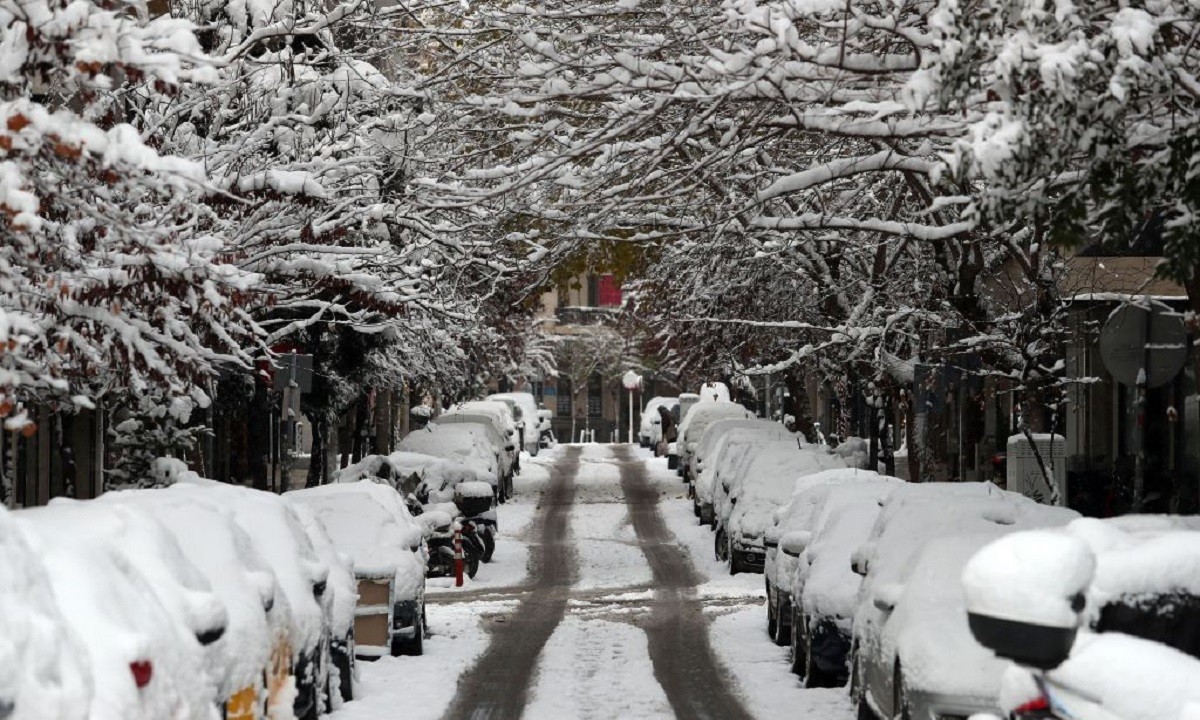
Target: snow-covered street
[[603, 601]]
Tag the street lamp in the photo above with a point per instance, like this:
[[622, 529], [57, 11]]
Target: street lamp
[[632, 381]]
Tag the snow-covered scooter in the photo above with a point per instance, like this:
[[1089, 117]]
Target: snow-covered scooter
[[1025, 594]]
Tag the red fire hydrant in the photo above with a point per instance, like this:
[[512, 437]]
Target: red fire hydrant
[[458, 555]]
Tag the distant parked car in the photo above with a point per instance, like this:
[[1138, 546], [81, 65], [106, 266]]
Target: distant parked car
[[649, 430], [803, 514], [498, 416], [823, 587], [371, 524], [726, 457], [466, 443], [764, 483], [697, 421], [45, 667], [527, 422]]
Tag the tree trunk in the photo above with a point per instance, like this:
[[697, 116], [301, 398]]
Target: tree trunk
[[260, 435], [316, 460]]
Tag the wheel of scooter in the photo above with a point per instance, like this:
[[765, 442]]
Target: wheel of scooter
[[472, 567], [489, 547]]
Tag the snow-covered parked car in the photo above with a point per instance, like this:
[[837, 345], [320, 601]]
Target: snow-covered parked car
[[498, 417], [145, 662], [765, 482], [823, 588], [428, 477], [257, 655], [912, 650], [465, 443], [800, 518], [340, 602], [697, 421], [370, 523], [650, 427], [44, 668], [526, 416], [721, 449], [279, 537], [1029, 593]]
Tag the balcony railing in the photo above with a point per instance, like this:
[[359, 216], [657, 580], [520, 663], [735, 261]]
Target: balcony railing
[[575, 315]]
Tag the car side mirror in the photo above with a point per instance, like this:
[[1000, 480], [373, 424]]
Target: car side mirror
[[771, 537], [795, 542], [858, 562], [887, 596]]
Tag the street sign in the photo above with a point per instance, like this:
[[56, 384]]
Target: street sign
[[293, 367], [632, 381], [1136, 337]]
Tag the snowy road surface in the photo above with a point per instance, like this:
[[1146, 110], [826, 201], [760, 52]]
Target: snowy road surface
[[604, 601]]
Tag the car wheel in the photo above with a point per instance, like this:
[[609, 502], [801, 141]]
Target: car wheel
[[416, 644], [735, 563], [489, 547], [772, 615], [782, 626], [696, 507], [813, 678], [899, 696], [719, 545], [799, 657]]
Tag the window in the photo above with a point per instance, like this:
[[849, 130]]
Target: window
[[564, 398], [595, 398], [608, 292]]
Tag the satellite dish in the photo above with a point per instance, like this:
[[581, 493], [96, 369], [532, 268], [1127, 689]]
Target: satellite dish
[[1136, 337]]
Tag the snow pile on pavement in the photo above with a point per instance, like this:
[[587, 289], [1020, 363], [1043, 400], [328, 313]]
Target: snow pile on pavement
[[769, 689]]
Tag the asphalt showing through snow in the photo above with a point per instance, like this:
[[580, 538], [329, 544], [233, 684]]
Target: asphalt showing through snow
[[498, 687], [696, 686]]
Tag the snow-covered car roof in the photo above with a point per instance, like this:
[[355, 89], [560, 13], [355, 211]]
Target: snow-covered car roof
[[729, 453], [467, 443], [281, 541], [916, 512], [44, 671], [155, 553], [497, 413], [371, 524], [650, 413], [222, 551], [438, 475], [1138, 558], [130, 638], [810, 505], [703, 413], [718, 429], [341, 593], [525, 401], [769, 480], [824, 583]]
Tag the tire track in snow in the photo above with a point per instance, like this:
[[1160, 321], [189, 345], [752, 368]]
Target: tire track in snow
[[696, 685], [498, 686]]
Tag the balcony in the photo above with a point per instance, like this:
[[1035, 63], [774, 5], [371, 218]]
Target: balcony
[[575, 315]]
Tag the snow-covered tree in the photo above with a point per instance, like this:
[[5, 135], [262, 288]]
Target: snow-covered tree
[[109, 278]]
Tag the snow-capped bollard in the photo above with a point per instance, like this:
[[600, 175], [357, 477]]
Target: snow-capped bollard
[[458, 555]]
